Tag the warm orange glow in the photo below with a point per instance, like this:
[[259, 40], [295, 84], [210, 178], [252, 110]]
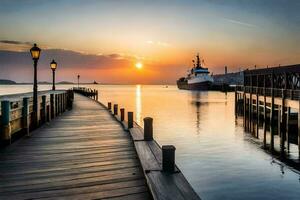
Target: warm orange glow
[[139, 65]]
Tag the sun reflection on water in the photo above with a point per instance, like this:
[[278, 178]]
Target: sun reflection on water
[[138, 104]]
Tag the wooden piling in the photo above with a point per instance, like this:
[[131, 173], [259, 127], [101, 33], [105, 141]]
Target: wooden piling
[[235, 102], [130, 119], [168, 158], [257, 115], [115, 109], [250, 113], [287, 128], [264, 122], [272, 120], [122, 110], [5, 121], [299, 130], [283, 124], [148, 128], [244, 102]]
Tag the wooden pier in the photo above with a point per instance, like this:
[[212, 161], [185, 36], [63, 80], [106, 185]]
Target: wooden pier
[[270, 99], [91, 152]]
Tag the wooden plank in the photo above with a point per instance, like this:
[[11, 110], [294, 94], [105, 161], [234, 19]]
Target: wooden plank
[[162, 185], [83, 153]]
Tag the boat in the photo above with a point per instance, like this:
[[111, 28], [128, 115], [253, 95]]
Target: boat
[[95, 82], [198, 77]]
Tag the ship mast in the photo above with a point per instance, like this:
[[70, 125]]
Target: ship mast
[[198, 65]]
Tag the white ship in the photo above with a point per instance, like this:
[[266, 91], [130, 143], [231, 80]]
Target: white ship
[[198, 78]]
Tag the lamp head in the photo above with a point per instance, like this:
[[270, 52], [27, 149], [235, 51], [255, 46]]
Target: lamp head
[[35, 52], [53, 65]]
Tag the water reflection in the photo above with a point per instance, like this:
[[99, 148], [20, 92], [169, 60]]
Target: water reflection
[[213, 151], [196, 101], [138, 104]]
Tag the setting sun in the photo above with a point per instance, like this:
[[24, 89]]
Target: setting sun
[[139, 65]]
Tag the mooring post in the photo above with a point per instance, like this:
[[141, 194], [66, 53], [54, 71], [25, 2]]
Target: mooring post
[[44, 109], [25, 115], [109, 106], [5, 121], [97, 97], [130, 120], [52, 106], [115, 109], [168, 158], [148, 128], [122, 110]]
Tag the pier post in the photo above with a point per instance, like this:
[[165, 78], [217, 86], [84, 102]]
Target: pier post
[[244, 101], [265, 115], [148, 128], [115, 109], [168, 158], [250, 113], [287, 128], [235, 102], [122, 110], [5, 121], [130, 120], [257, 114], [52, 106], [272, 129], [265, 119], [25, 115], [299, 130], [283, 124], [97, 97], [109, 106], [44, 108]]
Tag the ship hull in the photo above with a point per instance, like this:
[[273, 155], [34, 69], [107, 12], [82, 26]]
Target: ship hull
[[194, 86]]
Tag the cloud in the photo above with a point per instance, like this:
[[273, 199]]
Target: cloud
[[17, 65], [15, 42], [239, 22]]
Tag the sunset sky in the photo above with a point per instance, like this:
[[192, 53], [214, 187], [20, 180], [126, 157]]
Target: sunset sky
[[103, 40]]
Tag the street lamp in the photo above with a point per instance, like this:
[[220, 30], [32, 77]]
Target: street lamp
[[78, 77], [53, 66], [35, 54]]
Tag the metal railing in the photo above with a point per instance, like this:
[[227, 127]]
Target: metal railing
[[288, 93]]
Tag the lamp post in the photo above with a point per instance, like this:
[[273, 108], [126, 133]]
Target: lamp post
[[53, 66], [35, 54], [78, 77]]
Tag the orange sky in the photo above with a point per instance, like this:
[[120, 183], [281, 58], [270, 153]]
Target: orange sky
[[102, 40]]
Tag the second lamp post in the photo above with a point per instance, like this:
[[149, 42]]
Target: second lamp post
[[53, 66]]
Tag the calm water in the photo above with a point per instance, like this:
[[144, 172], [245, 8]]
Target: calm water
[[212, 150]]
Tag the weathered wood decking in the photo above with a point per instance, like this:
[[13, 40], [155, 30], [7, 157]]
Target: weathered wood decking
[[83, 154]]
